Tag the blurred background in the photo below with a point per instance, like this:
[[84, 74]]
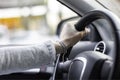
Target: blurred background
[[30, 21], [35, 21]]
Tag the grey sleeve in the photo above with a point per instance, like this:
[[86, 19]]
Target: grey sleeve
[[15, 59]]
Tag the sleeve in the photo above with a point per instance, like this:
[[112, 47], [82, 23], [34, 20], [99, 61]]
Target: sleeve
[[19, 58]]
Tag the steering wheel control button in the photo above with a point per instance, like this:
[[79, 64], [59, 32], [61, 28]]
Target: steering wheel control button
[[100, 47]]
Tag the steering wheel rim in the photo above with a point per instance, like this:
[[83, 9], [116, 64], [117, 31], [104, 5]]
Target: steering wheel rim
[[113, 20]]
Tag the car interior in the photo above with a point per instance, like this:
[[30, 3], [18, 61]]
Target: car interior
[[95, 57]]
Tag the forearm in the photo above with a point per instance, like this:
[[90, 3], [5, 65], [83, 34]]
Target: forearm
[[15, 59]]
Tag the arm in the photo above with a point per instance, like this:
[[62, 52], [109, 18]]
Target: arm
[[16, 59]]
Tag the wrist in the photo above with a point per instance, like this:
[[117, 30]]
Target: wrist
[[60, 47], [67, 43]]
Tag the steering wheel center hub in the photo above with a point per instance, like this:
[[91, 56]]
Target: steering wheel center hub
[[91, 64]]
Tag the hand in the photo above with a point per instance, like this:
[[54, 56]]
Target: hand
[[69, 36]]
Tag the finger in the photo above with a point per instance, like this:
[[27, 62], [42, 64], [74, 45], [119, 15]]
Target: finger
[[85, 32]]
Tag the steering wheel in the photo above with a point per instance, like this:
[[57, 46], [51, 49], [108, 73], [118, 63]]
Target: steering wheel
[[92, 64]]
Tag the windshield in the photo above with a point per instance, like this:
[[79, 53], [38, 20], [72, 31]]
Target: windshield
[[113, 5]]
